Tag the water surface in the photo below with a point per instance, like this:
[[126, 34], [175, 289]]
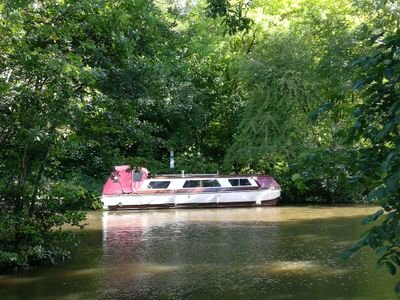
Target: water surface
[[240, 253]]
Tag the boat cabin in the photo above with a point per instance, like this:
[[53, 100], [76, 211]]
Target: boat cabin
[[125, 180]]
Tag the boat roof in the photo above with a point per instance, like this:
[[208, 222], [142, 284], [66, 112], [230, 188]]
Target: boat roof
[[180, 176]]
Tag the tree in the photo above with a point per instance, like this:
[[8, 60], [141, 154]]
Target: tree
[[376, 123], [297, 70], [69, 79]]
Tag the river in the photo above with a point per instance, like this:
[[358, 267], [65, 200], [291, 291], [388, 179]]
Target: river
[[239, 253]]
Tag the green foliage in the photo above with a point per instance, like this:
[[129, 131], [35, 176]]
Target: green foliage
[[26, 240], [325, 175], [72, 97], [233, 14], [294, 76], [154, 166], [293, 89], [193, 161], [72, 196], [376, 122], [276, 77]]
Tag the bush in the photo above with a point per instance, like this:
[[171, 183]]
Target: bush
[[26, 240]]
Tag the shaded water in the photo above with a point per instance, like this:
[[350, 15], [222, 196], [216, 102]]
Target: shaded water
[[240, 253]]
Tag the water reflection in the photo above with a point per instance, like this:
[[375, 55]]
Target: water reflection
[[239, 253], [300, 267], [242, 253]]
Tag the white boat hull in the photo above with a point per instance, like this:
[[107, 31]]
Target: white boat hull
[[202, 199]]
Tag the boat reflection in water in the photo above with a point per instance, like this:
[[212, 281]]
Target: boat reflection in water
[[241, 253], [168, 252]]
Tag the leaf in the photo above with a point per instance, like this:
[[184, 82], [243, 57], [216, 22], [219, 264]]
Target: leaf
[[378, 193], [386, 163], [391, 267], [347, 254], [388, 127], [393, 182], [372, 241], [313, 116], [373, 217], [397, 288], [296, 177], [358, 84], [382, 233], [357, 112], [382, 250], [395, 259]]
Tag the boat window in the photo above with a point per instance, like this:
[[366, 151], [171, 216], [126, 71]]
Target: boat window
[[210, 183], [158, 184], [239, 182], [137, 176], [234, 182], [244, 181], [191, 183]]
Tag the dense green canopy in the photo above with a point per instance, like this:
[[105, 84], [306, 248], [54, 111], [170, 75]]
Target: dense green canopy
[[307, 91]]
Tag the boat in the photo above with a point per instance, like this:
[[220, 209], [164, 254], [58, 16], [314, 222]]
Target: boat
[[128, 188]]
